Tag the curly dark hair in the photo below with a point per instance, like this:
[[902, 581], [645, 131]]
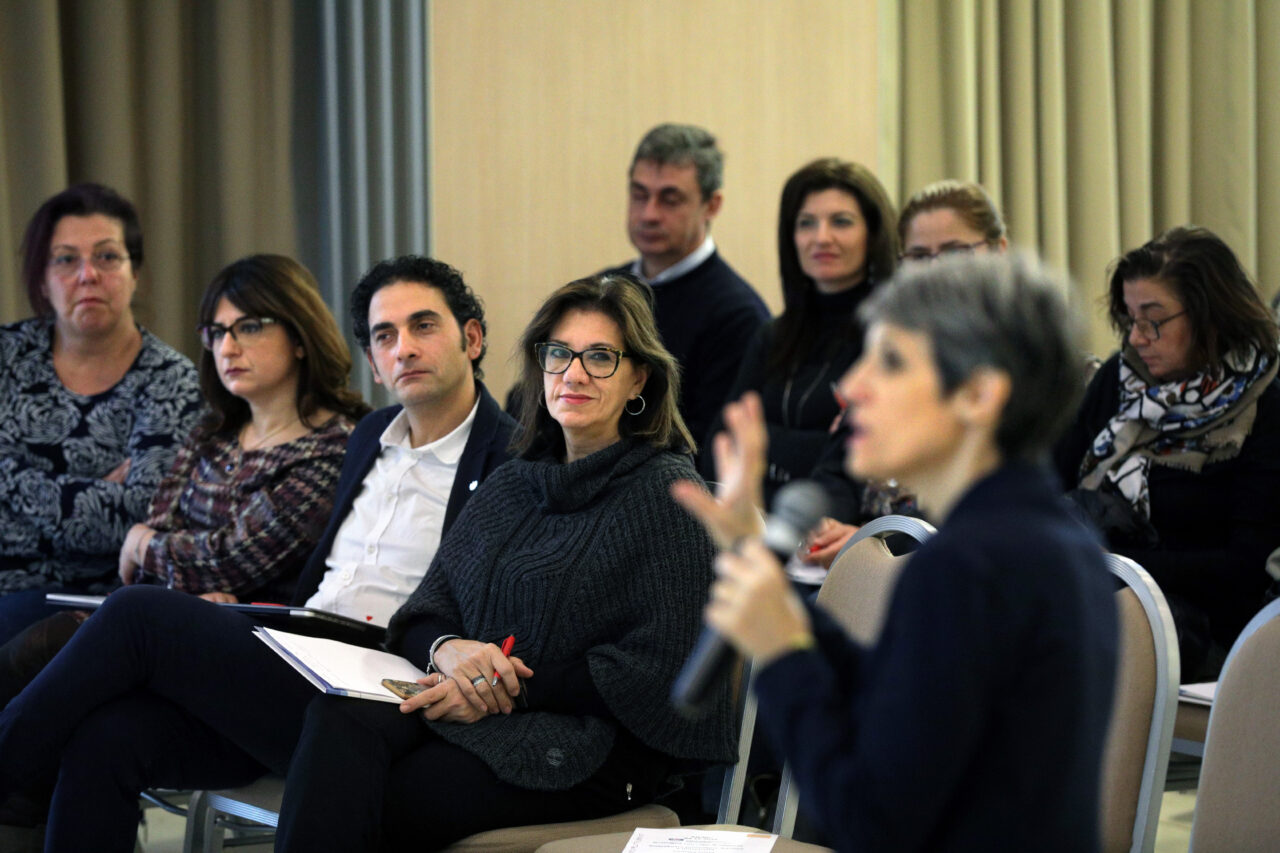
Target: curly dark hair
[[462, 301]]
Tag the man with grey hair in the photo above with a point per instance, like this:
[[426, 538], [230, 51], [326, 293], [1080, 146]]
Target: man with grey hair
[[705, 311]]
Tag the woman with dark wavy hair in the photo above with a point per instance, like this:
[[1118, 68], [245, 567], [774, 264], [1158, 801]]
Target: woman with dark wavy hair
[[837, 241], [1175, 452]]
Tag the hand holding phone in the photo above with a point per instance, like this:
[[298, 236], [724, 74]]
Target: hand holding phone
[[403, 689]]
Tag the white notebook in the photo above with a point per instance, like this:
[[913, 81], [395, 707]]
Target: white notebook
[[340, 668]]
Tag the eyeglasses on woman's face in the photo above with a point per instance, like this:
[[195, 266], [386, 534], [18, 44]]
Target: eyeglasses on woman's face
[[67, 265], [1149, 329], [949, 250], [598, 362], [246, 331]]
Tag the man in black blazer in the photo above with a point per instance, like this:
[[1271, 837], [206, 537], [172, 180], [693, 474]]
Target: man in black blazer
[[422, 331]]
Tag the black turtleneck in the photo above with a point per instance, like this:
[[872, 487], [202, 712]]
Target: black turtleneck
[[799, 403]]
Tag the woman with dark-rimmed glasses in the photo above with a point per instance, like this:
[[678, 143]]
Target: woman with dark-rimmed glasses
[[576, 549], [1175, 452], [252, 487]]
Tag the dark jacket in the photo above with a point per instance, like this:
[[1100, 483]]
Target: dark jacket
[[706, 318], [978, 720], [800, 405], [487, 448], [1215, 528]]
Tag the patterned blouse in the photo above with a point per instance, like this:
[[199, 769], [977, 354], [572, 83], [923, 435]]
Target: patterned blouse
[[244, 522], [61, 524]]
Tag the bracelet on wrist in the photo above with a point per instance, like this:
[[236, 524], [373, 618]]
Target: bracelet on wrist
[[431, 656]]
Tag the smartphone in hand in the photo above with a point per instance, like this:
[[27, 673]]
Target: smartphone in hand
[[403, 689]]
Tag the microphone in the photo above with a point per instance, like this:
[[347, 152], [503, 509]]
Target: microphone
[[797, 508]]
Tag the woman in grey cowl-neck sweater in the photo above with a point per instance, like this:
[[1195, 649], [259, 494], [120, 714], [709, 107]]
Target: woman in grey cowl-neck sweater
[[577, 550]]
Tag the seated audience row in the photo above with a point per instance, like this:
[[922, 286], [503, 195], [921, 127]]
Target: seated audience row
[[174, 691], [967, 376], [252, 488]]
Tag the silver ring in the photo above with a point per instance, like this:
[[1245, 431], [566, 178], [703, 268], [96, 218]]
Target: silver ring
[[475, 682]]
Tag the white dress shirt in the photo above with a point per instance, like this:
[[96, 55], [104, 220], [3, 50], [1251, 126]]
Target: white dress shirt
[[387, 541], [679, 268]]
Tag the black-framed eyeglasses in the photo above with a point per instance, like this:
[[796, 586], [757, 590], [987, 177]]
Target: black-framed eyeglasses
[[68, 264], [1149, 329], [599, 362], [949, 249], [246, 331]]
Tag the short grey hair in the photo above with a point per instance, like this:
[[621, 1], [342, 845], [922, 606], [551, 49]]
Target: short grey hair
[[681, 145], [1002, 312]]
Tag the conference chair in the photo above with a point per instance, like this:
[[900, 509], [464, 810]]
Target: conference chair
[[857, 593], [1136, 756], [1235, 805]]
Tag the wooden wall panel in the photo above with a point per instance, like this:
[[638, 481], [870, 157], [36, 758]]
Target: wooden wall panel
[[537, 106]]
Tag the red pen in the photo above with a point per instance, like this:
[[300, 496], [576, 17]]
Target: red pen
[[507, 645]]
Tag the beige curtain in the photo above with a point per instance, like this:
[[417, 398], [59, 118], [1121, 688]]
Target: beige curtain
[[1096, 124], [185, 107]]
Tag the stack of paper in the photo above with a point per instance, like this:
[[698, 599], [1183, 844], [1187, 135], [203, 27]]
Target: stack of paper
[[686, 840]]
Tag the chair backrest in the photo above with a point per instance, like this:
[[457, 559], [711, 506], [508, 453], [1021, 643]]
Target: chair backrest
[[856, 593], [862, 577], [1235, 804], [1136, 756]]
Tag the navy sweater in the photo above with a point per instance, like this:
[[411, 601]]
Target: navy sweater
[[977, 722], [706, 318]]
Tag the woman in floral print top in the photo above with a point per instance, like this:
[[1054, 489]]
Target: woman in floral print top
[[95, 407]]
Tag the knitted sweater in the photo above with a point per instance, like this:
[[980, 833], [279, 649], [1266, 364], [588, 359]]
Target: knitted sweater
[[590, 559]]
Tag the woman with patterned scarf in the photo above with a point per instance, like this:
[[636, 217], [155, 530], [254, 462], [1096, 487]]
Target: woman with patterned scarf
[[1175, 453]]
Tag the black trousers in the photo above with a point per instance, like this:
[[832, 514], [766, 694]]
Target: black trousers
[[157, 689], [367, 777]]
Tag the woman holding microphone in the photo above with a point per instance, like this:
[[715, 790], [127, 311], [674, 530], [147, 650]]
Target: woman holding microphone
[[977, 721]]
